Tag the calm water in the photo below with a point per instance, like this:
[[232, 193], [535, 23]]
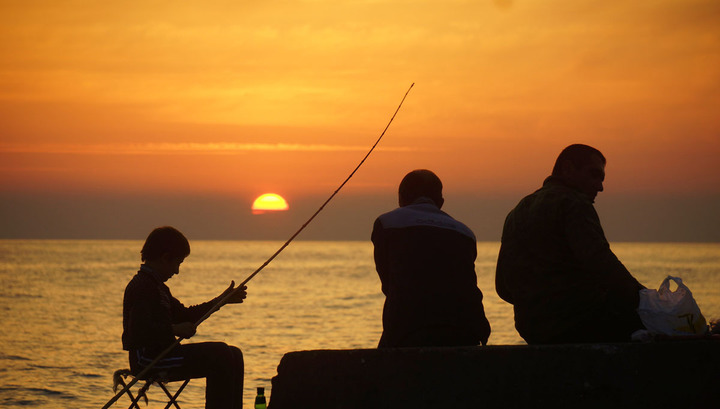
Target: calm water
[[61, 307]]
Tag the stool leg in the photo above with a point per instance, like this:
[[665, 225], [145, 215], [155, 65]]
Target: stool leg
[[173, 398], [142, 392], [133, 399]]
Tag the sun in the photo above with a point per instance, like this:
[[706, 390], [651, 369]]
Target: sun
[[269, 202]]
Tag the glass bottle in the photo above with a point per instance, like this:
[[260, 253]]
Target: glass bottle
[[260, 398]]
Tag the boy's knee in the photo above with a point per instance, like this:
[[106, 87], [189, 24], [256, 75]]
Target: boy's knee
[[230, 352], [236, 353]]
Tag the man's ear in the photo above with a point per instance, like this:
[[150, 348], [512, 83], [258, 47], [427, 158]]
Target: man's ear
[[401, 201], [567, 168]]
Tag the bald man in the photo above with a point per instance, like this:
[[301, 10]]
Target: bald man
[[426, 263]]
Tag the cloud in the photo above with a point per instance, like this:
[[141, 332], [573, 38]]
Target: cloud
[[212, 148], [503, 4]]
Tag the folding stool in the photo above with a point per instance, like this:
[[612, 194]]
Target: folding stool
[[119, 379]]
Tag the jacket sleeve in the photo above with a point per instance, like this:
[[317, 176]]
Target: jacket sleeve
[[588, 243], [181, 313]]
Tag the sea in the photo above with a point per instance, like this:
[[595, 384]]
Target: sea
[[61, 307]]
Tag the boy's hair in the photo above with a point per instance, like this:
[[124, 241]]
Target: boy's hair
[[165, 240]]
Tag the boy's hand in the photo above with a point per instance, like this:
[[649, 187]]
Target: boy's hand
[[184, 329], [238, 296]]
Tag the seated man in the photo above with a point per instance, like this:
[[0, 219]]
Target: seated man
[[555, 265], [426, 263], [152, 318]]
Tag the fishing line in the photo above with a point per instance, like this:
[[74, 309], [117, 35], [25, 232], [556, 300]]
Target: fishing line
[[225, 299]]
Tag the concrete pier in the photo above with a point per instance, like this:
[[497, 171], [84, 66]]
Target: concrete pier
[[670, 374]]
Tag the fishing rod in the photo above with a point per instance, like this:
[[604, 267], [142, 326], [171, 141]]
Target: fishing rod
[[227, 297]]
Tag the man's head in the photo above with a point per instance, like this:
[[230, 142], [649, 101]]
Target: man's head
[[420, 183], [581, 167], [164, 250]]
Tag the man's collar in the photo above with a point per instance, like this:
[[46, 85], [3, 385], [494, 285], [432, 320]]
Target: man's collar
[[554, 180], [424, 200], [558, 181]]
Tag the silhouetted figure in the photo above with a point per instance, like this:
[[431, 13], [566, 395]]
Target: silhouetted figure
[[426, 263], [152, 318], [555, 265]]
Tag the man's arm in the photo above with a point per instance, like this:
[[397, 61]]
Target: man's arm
[[379, 252], [587, 241]]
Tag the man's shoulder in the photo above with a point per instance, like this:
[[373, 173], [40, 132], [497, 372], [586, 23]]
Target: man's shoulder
[[554, 188], [422, 216], [556, 195], [551, 204]]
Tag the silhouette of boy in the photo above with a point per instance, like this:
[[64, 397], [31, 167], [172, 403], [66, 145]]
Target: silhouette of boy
[[153, 318]]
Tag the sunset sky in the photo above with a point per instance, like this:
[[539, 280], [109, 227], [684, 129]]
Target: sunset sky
[[116, 117]]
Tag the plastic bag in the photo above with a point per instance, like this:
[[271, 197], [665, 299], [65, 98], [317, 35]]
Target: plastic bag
[[671, 312]]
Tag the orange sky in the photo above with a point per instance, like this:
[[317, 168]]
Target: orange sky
[[237, 98]]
